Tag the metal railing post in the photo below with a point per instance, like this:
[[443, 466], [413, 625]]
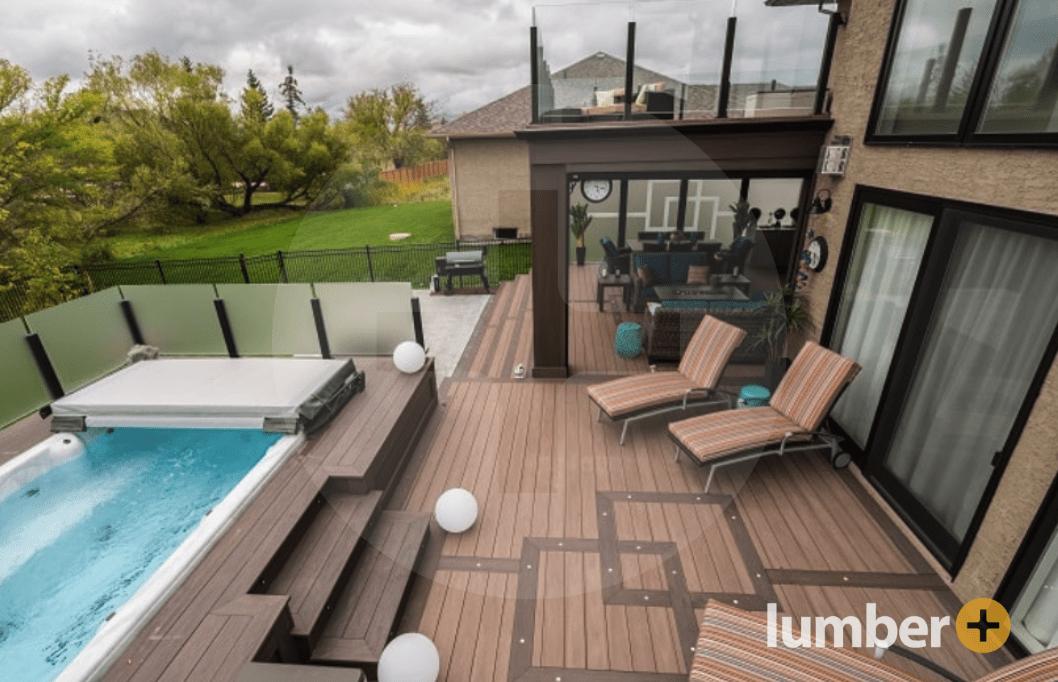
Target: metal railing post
[[370, 268], [282, 267], [245, 271], [161, 273]]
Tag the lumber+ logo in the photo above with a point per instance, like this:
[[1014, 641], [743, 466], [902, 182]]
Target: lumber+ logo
[[982, 626]]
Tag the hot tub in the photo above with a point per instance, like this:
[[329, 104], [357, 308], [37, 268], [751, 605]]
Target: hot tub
[[93, 539]]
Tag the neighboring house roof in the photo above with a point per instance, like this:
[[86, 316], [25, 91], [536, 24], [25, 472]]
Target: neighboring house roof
[[496, 119], [514, 111]]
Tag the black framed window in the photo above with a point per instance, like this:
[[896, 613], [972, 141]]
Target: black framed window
[[1024, 90], [974, 72]]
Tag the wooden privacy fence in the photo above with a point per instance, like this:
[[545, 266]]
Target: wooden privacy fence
[[417, 174]]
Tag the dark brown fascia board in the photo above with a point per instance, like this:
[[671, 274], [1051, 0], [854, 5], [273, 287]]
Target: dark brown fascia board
[[559, 131]]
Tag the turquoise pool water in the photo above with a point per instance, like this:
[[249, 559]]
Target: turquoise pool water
[[78, 541]]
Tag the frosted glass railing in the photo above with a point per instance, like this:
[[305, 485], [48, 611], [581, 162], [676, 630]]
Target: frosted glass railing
[[84, 338], [271, 319], [164, 312], [21, 388], [366, 319]]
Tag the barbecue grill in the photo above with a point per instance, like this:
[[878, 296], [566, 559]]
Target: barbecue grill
[[462, 263]]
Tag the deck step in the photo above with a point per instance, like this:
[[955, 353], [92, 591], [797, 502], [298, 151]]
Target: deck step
[[317, 568], [366, 613]]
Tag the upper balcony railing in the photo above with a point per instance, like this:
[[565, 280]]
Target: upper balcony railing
[[680, 59]]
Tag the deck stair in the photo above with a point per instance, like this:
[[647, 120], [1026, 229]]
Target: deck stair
[[320, 554], [366, 613]]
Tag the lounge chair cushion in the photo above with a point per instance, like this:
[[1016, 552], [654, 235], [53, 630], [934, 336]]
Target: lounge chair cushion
[[1041, 667], [733, 647], [719, 434], [622, 397], [812, 384], [709, 350]]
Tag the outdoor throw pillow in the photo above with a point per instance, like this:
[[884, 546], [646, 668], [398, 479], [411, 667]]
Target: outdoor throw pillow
[[698, 274], [646, 276]]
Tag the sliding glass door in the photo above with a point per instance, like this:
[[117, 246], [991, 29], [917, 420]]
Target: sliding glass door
[[886, 259], [951, 314], [987, 334]]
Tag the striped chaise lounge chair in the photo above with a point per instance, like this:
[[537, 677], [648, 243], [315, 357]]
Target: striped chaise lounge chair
[[733, 647], [694, 382], [791, 423]]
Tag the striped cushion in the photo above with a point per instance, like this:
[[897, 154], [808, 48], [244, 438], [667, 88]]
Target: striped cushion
[[709, 350], [733, 647], [717, 435], [812, 384], [632, 394], [1041, 667]]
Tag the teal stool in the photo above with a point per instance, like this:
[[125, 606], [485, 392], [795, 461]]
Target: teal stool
[[629, 340], [752, 395]]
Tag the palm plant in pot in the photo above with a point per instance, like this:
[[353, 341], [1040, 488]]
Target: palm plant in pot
[[785, 313], [579, 220]]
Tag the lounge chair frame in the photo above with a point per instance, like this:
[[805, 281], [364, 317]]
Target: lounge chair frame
[[712, 396], [815, 441]]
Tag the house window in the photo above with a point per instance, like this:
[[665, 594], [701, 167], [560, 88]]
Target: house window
[[1025, 90], [970, 72]]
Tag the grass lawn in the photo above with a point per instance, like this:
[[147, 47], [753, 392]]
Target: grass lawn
[[427, 222]]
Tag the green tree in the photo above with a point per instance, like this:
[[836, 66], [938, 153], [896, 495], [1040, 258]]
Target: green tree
[[291, 93], [178, 131], [59, 182], [255, 100], [392, 125]]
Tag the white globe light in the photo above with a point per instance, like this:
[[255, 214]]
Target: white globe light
[[409, 357], [66, 446], [409, 658], [456, 510]]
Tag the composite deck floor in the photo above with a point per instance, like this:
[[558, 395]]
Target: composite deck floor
[[592, 561]]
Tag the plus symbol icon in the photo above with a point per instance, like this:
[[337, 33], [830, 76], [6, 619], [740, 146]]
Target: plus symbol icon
[[983, 626]]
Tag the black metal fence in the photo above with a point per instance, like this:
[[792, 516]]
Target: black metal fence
[[413, 263]]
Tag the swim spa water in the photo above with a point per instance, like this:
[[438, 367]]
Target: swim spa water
[[78, 541]]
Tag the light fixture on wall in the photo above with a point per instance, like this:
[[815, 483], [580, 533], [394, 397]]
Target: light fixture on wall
[[834, 158], [821, 204]]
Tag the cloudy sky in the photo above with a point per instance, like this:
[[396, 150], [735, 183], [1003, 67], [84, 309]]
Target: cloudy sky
[[461, 54]]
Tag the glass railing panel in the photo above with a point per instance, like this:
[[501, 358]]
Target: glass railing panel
[[581, 67], [366, 318], [21, 389], [679, 58], [776, 60], [271, 319], [84, 338], [178, 319]]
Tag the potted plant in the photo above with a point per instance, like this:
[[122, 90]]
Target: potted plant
[[785, 312], [579, 220]]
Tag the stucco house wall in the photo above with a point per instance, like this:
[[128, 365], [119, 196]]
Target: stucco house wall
[[1022, 179], [490, 185]]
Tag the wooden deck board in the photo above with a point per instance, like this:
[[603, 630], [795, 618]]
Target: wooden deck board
[[545, 472]]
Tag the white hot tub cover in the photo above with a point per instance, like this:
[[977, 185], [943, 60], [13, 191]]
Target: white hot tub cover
[[278, 394]]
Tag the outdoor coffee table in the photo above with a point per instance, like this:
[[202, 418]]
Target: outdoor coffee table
[[623, 281], [699, 292]]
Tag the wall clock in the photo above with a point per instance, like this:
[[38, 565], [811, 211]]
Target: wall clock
[[596, 190], [816, 254]]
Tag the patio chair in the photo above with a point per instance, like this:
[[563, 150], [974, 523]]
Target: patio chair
[[791, 423], [733, 647], [615, 258], [692, 384]]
